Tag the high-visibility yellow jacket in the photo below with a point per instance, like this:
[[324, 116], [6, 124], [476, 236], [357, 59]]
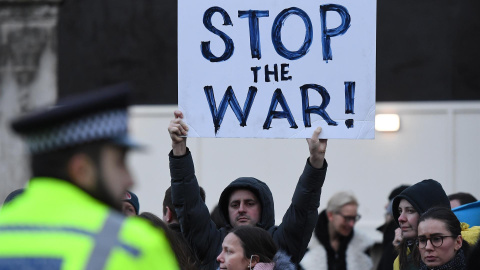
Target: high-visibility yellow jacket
[[56, 225]]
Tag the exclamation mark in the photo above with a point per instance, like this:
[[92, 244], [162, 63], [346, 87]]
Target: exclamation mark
[[349, 102]]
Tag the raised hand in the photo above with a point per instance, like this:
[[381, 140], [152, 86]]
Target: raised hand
[[317, 148], [178, 130]]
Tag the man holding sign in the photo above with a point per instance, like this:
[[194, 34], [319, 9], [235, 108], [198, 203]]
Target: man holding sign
[[246, 201]]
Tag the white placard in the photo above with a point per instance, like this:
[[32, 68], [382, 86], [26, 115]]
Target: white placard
[[264, 68]]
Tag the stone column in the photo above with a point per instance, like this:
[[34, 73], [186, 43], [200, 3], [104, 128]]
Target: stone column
[[27, 77]]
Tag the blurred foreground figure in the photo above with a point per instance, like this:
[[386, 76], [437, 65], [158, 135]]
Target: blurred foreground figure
[[14, 194], [69, 215]]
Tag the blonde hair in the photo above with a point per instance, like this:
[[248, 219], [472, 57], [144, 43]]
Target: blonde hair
[[339, 199]]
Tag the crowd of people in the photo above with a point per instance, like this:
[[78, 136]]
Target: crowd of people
[[78, 152]]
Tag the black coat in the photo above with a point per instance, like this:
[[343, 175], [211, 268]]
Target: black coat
[[388, 250], [292, 235]]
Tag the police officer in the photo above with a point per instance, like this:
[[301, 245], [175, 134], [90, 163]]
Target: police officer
[[69, 215]]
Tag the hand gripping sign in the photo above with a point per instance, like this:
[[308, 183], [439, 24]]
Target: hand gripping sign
[[277, 68]]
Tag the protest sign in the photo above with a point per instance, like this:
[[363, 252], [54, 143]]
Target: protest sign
[[277, 68]]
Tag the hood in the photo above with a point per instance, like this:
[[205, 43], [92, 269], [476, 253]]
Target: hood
[[260, 189], [422, 196]]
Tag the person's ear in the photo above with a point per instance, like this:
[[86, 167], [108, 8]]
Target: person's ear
[[330, 216], [168, 215], [458, 243], [81, 171], [254, 260]]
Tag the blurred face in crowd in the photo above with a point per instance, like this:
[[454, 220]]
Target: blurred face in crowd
[[408, 219], [455, 203], [244, 208], [438, 249], [232, 256], [128, 209], [344, 220]]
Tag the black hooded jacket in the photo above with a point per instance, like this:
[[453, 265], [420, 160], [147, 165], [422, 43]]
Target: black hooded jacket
[[292, 235]]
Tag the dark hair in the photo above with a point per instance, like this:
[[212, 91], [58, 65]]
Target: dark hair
[[462, 197], [256, 241], [167, 201], [217, 217], [55, 164], [185, 257], [473, 263], [446, 216], [396, 191], [450, 220], [402, 250]]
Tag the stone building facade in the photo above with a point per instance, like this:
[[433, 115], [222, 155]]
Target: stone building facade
[[28, 78]]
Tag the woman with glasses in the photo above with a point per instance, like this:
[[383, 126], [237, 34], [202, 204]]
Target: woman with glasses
[[407, 208], [440, 244], [335, 244]]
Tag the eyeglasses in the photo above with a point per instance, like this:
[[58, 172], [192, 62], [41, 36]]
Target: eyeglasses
[[350, 218], [436, 241]]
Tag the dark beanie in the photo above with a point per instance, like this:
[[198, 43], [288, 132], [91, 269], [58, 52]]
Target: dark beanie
[[396, 191], [422, 196], [131, 198]]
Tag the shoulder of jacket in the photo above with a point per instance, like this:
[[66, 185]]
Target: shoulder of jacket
[[396, 263], [283, 261], [361, 240], [137, 230], [315, 257]]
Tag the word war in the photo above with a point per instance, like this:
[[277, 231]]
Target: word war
[[229, 99]]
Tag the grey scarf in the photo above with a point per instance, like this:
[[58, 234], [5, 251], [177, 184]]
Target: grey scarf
[[457, 263]]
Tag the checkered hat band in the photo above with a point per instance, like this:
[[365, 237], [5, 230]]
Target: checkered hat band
[[94, 127]]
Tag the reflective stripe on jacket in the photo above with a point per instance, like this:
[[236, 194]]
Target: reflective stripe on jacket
[[56, 225]]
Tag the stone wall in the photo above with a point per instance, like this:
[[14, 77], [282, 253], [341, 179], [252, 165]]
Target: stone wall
[[27, 77]]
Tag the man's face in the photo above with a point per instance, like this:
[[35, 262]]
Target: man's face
[[244, 208], [344, 220], [128, 209], [113, 178]]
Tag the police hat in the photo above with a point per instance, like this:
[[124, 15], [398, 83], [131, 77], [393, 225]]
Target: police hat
[[95, 116]]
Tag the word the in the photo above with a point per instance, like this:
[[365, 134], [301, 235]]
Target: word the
[[274, 72]]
